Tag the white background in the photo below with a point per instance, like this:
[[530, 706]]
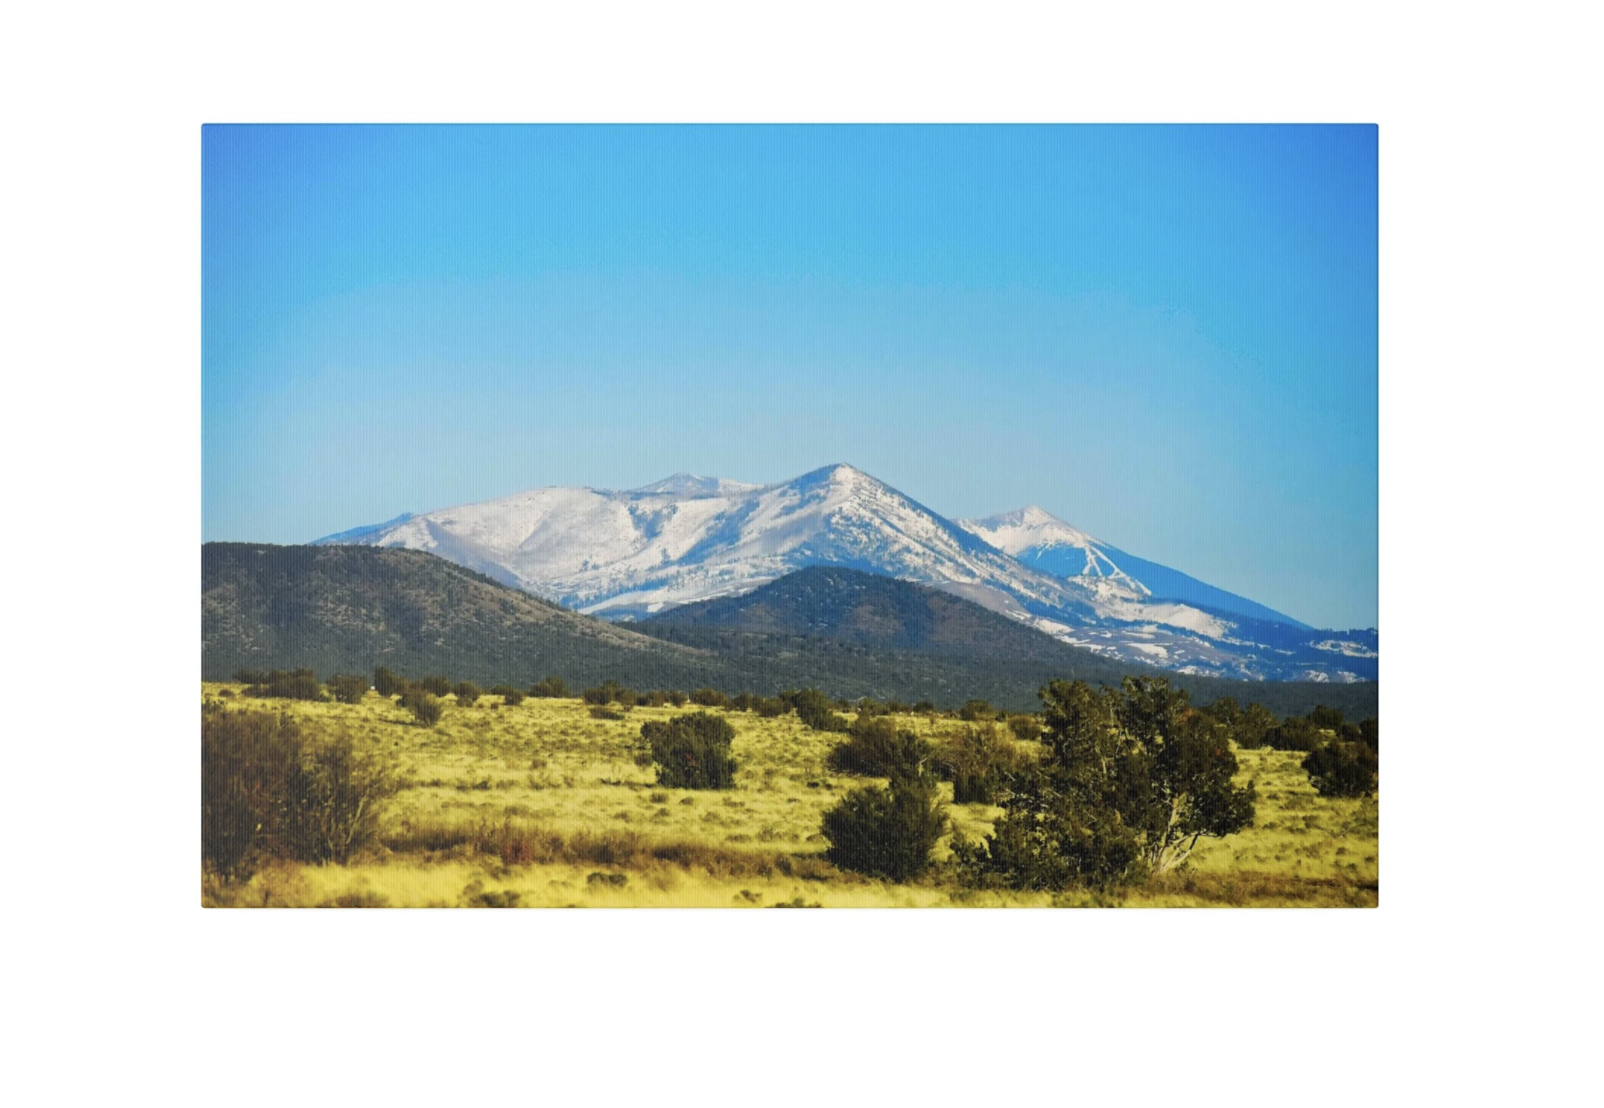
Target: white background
[[1473, 983]]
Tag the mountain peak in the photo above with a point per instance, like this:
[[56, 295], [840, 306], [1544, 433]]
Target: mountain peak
[[1027, 527], [691, 484]]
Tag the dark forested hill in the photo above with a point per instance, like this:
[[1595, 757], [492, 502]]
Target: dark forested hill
[[350, 608]]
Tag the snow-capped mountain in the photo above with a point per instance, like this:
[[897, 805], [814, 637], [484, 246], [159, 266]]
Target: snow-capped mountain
[[1047, 543], [626, 554]]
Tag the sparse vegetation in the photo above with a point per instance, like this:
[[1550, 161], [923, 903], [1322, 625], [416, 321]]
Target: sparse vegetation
[[530, 802]]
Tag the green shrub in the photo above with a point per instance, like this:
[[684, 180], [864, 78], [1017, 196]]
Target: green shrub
[[1025, 728], [549, 688], [889, 832], [348, 688], [1367, 733], [1297, 733], [691, 751], [1342, 769], [246, 762], [295, 684], [976, 710], [251, 677], [877, 748], [598, 711], [509, 696], [266, 790], [1326, 719], [770, 707], [468, 694], [1128, 784], [425, 707], [434, 686], [816, 710], [709, 698], [339, 806], [387, 684], [979, 762]]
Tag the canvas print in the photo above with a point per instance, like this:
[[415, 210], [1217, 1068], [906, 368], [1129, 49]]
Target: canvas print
[[789, 516]]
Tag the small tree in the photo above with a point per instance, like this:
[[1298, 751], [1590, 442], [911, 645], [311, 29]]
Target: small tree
[[348, 688], [710, 698], [510, 696], [387, 684], [887, 833], [691, 751], [468, 694], [1130, 783], [434, 686]]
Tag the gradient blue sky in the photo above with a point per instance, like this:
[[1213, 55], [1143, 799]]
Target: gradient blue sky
[[1164, 335]]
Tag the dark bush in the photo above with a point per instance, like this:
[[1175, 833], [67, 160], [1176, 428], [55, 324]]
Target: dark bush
[[817, 711], [549, 688], [1342, 769], [435, 686], [1252, 728], [975, 710], [877, 748], [247, 759], [251, 677], [770, 707], [265, 791], [1025, 728], [386, 683], [348, 688], [691, 751], [709, 698], [425, 707], [889, 832], [1367, 733], [980, 763], [468, 694], [1297, 733], [509, 696], [677, 698], [1326, 719], [601, 711], [339, 807], [295, 684]]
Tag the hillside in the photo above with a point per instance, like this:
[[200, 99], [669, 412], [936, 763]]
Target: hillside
[[884, 613], [350, 608], [850, 625]]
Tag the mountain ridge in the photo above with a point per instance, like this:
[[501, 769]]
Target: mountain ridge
[[630, 554]]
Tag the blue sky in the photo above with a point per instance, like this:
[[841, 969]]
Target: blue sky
[[1164, 335]]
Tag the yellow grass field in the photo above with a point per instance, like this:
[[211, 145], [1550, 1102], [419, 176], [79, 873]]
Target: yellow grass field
[[540, 805]]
